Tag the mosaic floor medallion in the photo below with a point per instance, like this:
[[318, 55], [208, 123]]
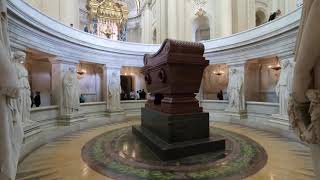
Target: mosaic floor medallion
[[119, 154]]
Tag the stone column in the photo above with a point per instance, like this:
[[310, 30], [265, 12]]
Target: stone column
[[284, 85], [236, 91], [59, 68], [112, 91], [172, 19], [147, 25]]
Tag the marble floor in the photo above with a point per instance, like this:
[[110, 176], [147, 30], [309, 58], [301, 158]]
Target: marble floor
[[61, 159]]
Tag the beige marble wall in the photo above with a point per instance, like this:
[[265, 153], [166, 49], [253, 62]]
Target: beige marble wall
[[65, 11], [261, 80], [40, 79], [91, 82], [213, 83]]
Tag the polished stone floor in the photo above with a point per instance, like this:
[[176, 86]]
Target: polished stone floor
[[61, 159]]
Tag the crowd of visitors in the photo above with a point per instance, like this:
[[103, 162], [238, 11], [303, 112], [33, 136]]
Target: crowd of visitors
[[133, 95]]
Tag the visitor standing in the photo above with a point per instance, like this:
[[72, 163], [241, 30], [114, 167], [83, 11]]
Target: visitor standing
[[143, 94], [37, 99], [275, 15]]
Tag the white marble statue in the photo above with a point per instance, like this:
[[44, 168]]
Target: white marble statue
[[284, 86], [114, 90], [71, 92], [24, 101], [236, 91], [11, 132]]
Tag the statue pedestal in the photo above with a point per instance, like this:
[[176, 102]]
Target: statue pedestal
[[177, 136], [116, 116], [67, 120], [315, 153], [237, 115], [281, 117], [31, 129]]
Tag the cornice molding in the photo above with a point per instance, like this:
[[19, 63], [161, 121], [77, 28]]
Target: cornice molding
[[31, 29]]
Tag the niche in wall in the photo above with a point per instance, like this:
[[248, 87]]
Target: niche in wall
[[261, 80], [261, 18], [132, 79], [201, 28], [215, 78], [126, 84], [39, 68], [91, 81]]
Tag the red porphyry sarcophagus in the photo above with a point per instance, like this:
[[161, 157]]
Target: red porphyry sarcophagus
[[173, 75]]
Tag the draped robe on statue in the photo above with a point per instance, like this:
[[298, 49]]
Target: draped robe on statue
[[235, 92], [71, 93], [114, 91], [284, 87], [24, 101], [11, 133]]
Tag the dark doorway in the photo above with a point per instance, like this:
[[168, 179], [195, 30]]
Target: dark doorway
[[126, 86]]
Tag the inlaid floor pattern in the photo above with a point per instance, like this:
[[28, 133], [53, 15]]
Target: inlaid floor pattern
[[61, 159]]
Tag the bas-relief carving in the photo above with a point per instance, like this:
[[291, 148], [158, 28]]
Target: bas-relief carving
[[11, 133], [114, 90], [24, 101], [284, 86], [304, 109], [71, 88], [236, 90]]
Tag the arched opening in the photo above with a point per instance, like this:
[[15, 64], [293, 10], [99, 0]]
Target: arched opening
[[261, 18], [201, 29]]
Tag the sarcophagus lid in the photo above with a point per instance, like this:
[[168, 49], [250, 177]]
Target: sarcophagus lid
[[174, 73]]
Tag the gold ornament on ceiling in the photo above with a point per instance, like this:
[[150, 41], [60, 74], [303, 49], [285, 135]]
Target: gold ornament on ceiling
[[108, 11]]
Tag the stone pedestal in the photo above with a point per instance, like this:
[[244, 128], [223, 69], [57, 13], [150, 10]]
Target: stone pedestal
[[315, 153], [67, 120], [237, 115], [177, 136], [31, 129]]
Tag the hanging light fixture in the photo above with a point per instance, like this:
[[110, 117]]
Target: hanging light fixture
[[276, 67]]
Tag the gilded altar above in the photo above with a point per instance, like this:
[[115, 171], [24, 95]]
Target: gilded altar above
[[108, 17]]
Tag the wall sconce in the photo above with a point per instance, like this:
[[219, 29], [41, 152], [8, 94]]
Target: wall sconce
[[276, 67], [81, 71], [218, 73]]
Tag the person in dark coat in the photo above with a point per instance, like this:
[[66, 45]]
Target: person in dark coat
[[274, 15], [220, 95], [143, 94], [37, 99]]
